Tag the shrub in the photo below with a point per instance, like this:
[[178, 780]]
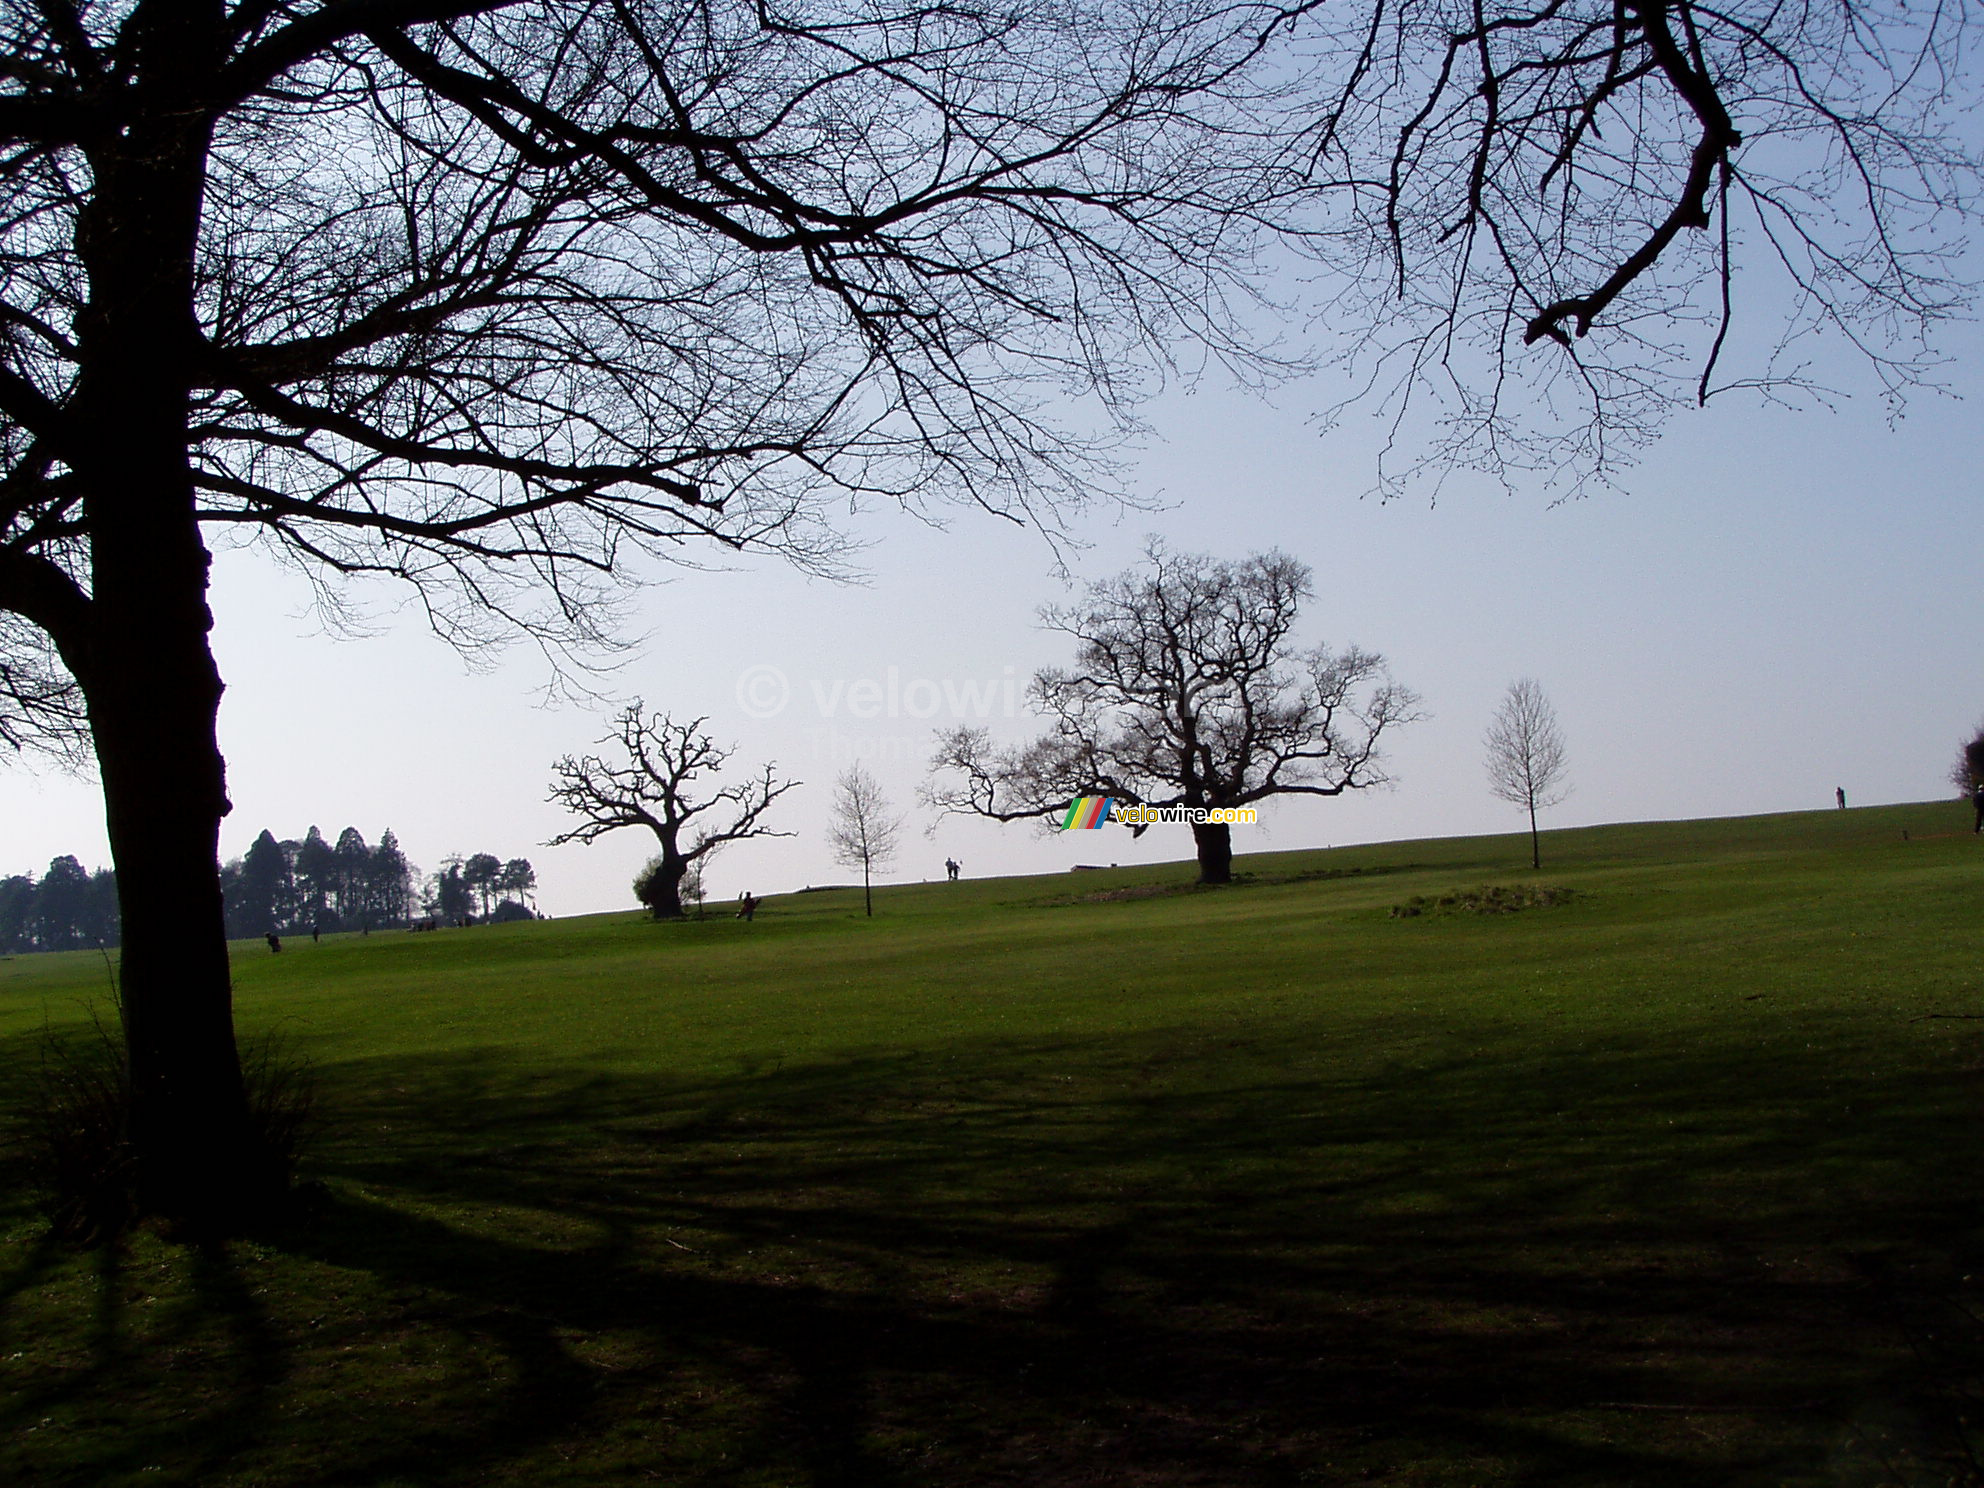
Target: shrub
[[78, 1146], [1491, 899]]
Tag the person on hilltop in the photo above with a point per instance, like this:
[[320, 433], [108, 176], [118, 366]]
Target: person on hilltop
[[275, 942], [951, 867], [1839, 795], [747, 905]]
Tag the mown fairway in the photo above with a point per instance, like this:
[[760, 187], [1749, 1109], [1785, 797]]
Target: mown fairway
[[1063, 1182]]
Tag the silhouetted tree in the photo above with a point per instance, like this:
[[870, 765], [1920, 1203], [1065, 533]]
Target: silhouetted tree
[[264, 892], [480, 873], [659, 770], [17, 914], [1526, 755], [1187, 690], [1967, 772], [353, 868], [865, 833], [489, 297], [453, 897], [68, 908], [62, 908], [314, 862], [389, 882], [520, 879]]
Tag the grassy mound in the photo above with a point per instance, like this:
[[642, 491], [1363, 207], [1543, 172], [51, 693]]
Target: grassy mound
[[1492, 899]]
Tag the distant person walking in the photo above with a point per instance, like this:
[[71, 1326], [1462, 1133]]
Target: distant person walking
[[275, 942], [747, 905], [951, 867], [1839, 795]]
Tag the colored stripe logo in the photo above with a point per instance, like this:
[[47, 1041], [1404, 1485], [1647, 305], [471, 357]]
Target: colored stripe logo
[[1086, 814]]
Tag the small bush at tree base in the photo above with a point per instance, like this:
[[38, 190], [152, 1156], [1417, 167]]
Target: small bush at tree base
[[1490, 899], [79, 1153]]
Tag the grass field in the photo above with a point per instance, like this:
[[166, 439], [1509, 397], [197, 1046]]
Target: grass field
[[1092, 1180]]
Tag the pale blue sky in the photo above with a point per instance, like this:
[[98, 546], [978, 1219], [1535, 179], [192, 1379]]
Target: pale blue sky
[[1778, 603]]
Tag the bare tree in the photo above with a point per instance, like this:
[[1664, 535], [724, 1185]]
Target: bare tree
[[492, 297], [1526, 755], [865, 833], [649, 785], [1187, 690]]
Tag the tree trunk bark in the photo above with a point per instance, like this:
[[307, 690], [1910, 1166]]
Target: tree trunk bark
[[1535, 851], [153, 702], [150, 681], [665, 890], [1215, 845]]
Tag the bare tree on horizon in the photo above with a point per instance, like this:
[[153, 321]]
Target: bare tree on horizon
[[1526, 755], [661, 762], [865, 832]]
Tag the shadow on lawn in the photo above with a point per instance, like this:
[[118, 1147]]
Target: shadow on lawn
[[1041, 1265]]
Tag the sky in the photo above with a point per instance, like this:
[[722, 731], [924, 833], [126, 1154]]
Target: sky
[[1776, 604]]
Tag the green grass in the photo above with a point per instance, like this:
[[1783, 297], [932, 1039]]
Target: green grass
[[1091, 1180]]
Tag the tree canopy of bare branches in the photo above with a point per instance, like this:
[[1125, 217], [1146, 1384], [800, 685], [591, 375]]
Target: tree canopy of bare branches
[[1187, 689], [1614, 183], [661, 769], [1525, 750]]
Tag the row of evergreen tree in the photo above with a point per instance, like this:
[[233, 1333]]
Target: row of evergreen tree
[[309, 886], [68, 908], [295, 887]]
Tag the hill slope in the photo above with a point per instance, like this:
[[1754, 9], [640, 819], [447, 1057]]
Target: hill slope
[[1092, 1179]]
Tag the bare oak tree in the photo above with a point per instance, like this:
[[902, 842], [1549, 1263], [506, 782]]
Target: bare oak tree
[[661, 762], [1187, 690], [1526, 755], [865, 832]]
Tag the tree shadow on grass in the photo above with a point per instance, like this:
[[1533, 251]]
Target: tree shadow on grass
[[1031, 1263]]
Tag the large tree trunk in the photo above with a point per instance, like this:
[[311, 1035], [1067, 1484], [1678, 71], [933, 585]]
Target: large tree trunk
[[664, 896], [153, 701], [150, 680], [1215, 845]]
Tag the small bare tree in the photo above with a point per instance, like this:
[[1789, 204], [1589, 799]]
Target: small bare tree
[[664, 759], [865, 832], [1526, 755]]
